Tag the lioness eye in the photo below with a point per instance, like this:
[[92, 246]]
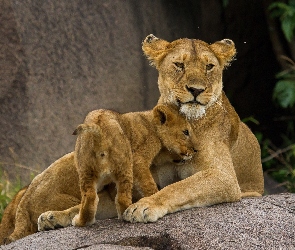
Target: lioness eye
[[186, 132], [179, 65], [209, 66]]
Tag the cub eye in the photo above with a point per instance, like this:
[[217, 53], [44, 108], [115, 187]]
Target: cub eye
[[185, 132], [209, 66], [179, 65]]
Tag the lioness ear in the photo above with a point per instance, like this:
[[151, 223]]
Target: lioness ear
[[155, 49], [224, 50], [162, 114]]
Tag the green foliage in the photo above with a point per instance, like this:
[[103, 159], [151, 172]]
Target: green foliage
[[250, 119], [7, 190], [286, 13], [284, 91], [280, 162], [225, 3]]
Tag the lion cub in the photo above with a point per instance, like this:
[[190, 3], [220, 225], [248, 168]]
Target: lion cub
[[120, 148]]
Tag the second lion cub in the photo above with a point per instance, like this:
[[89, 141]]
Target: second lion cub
[[120, 148]]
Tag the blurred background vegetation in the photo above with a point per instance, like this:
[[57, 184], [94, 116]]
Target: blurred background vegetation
[[260, 84], [279, 158]]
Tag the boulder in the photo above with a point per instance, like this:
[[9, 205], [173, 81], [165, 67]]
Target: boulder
[[253, 223], [61, 59]]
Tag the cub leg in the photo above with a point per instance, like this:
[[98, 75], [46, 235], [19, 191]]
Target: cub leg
[[89, 203], [123, 198], [143, 179], [28, 211], [250, 194]]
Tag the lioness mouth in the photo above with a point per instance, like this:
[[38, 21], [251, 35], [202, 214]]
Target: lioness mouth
[[179, 103], [195, 102], [179, 161]]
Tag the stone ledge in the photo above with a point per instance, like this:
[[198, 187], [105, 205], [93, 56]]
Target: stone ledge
[[253, 223]]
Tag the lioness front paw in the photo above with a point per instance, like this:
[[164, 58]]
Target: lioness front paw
[[145, 211], [53, 220]]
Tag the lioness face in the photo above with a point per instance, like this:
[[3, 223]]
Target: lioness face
[[190, 71]]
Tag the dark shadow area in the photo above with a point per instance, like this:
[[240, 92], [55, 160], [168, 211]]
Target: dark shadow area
[[161, 242]]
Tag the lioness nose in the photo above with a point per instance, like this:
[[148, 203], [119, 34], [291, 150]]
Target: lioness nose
[[194, 91]]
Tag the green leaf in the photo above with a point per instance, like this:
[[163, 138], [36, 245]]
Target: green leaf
[[284, 93], [292, 3], [250, 119], [288, 27], [278, 5], [225, 3]]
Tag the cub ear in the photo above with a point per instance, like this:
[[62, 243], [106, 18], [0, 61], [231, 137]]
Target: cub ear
[[154, 49], [163, 114], [224, 50], [78, 130]]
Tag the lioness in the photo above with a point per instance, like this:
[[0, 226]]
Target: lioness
[[226, 167], [228, 163], [143, 133], [103, 153]]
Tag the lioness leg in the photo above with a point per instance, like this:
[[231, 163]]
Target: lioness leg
[[57, 219], [8, 219], [27, 214], [248, 169], [209, 187], [23, 226]]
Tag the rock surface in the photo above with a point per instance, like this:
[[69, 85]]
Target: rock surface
[[253, 223]]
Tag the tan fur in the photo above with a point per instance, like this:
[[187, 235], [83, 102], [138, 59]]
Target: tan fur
[[57, 188], [103, 153], [227, 165], [8, 217]]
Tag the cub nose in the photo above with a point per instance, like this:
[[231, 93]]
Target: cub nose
[[194, 91]]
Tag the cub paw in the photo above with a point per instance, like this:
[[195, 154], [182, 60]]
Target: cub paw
[[52, 220], [144, 211], [8, 240], [77, 222]]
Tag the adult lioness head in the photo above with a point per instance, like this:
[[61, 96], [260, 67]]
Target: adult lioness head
[[190, 71]]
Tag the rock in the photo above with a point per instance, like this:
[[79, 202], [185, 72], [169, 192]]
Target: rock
[[61, 59], [252, 223]]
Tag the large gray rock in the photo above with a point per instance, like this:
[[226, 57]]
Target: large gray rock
[[253, 223], [60, 59]]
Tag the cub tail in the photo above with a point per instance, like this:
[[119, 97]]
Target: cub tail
[[93, 128]]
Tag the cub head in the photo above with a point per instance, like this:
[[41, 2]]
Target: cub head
[[190, 71], [174, 131]]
